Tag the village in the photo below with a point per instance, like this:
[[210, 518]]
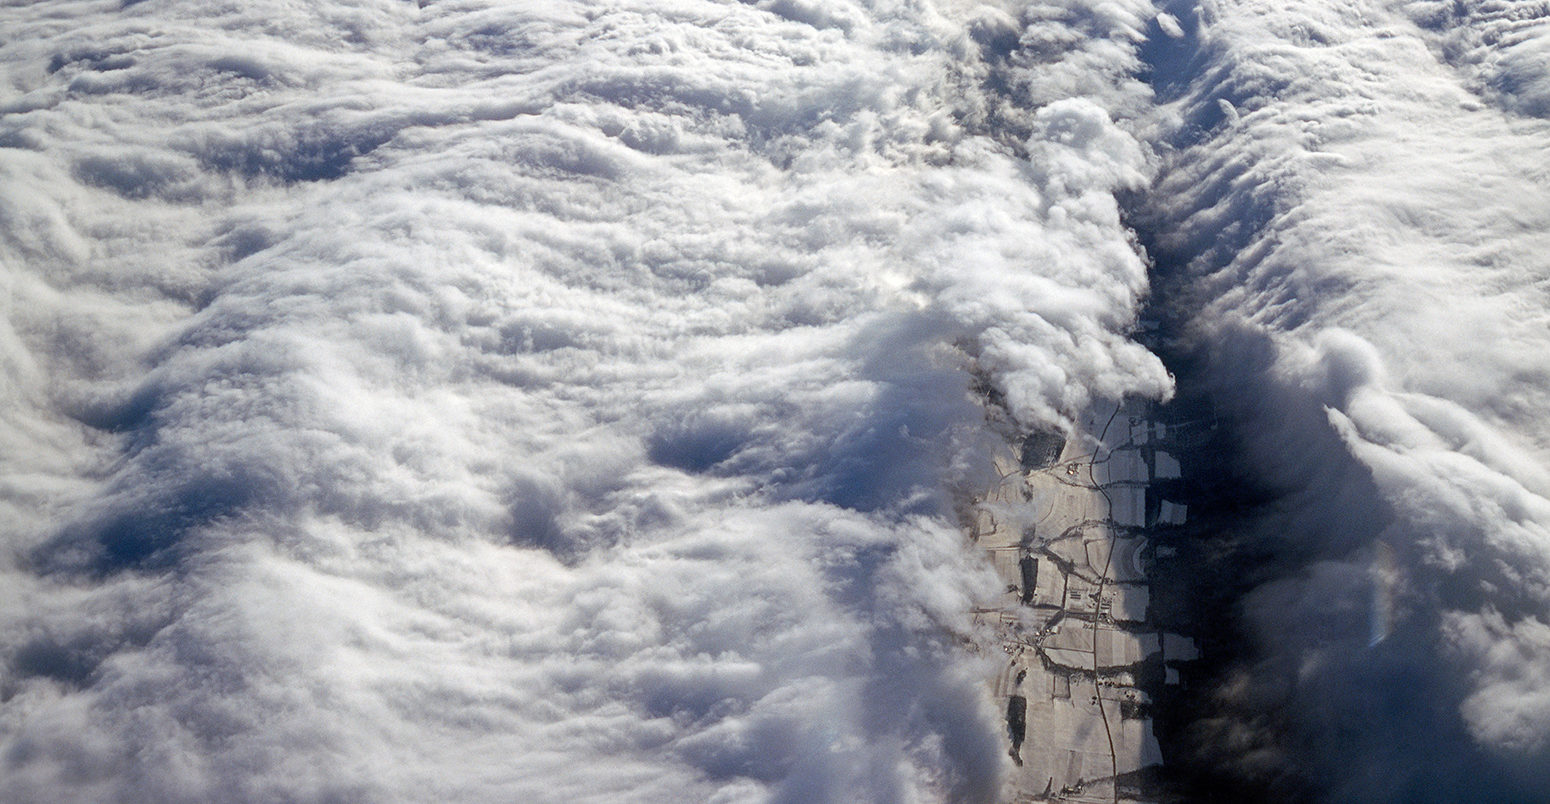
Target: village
[[1071, 528]]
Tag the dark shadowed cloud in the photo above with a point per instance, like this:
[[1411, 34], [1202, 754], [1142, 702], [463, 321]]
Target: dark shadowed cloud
[[1355, 217]]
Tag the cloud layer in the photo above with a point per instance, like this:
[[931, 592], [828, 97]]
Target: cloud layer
[[480, 401], [485, 401], [1354, 221]]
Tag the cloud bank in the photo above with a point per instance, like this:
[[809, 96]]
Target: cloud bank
[[476, 401], [479, 401], [1353, 222]]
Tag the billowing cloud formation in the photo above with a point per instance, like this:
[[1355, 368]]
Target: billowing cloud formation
[[1356, 220], [485, 402]]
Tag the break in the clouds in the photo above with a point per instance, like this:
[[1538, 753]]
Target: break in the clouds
[[478, 401], [1355, 222]]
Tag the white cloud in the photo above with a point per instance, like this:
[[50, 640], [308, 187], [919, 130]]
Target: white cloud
[[477, 402], [1363, 242]]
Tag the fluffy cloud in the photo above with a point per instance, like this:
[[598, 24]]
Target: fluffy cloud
[[481, 401], [1353, 224]]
